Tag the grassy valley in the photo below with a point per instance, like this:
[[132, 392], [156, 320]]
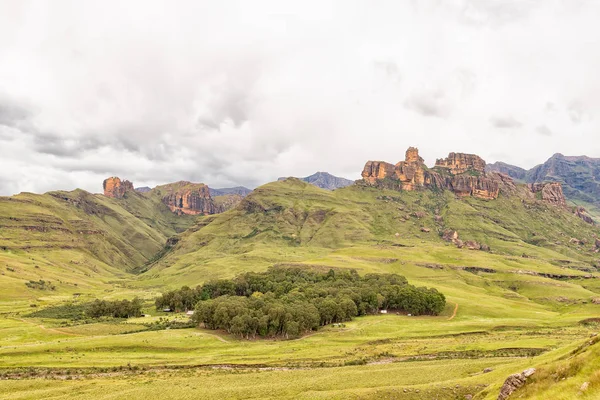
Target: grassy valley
[[520, 281]]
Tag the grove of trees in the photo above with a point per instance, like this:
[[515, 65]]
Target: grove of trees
[[116, 309], [288, 302]]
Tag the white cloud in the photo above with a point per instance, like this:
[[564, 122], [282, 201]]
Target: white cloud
[[239, 92]]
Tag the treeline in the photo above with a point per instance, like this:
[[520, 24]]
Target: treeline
[[94, 309], [116, 309], [289, 302]]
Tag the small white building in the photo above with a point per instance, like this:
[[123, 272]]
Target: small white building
[[383, 311]]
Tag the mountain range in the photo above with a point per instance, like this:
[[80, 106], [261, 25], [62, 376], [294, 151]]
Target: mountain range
[[517, 264], [579, 176]]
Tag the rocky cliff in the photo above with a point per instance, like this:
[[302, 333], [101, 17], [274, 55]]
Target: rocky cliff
[[550, 192], [188, 198], [115, 188], [459, 163], [463, 174]]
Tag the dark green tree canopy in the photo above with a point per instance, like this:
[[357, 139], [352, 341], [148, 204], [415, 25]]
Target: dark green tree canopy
[[289, 302]]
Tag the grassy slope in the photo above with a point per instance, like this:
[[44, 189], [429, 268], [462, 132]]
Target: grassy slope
[[513, 307], [77, 240]]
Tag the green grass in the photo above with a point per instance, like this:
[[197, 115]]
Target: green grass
[[519, 304]]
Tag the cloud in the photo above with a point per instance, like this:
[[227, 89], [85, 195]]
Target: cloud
[[576, 112], [428, 103], [544, 130], [238, 93], [505, 122]]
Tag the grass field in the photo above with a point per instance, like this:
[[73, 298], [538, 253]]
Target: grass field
[[519, 305]]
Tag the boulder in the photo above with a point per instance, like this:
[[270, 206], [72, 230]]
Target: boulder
[[450, 235], [514, 382], [426, 230], [472, 245], [580, 212]]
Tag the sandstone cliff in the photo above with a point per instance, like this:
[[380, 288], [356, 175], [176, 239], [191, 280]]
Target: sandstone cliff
[[459, 163], [115, 188], [188, 198], [463, 174]]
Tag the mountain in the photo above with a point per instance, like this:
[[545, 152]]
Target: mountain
[[325, 180], [304, 219], [143, 189], [518, 269], [238, 190], [514, 172], [579, 176]]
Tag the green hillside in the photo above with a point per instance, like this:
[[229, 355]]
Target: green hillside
[[520, 280], [77, 241]]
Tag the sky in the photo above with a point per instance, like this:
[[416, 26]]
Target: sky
[[240, 93]]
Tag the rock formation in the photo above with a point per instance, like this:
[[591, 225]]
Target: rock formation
[[459, 163], [115, 188], [464, 174], [550, 192], [188, 198], [377, 170], [583, 214], [514, 382]]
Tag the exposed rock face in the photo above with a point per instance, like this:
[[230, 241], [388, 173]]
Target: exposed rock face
[[459, 163], [189, 198], [115, 188], [376, 170], [514, 382], [464, 174], [227, 201], [550, 192]]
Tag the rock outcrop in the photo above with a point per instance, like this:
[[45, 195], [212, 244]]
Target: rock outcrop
[[463, 174], [459, 163], [115, 188], [188, 198], [550, 192], [514, 382], [583, 214], [377, 170]]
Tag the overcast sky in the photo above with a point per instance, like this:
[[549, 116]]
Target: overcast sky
[[242, 92]]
